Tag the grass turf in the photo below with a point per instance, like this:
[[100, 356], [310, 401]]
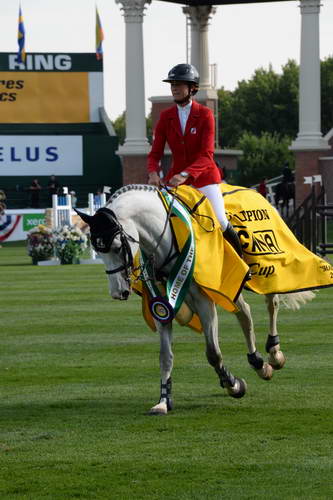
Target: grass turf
[[79, 372]]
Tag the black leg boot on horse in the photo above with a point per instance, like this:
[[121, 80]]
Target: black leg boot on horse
[[165, 399], [276, 358]]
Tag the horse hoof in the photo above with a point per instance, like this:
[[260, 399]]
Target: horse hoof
[[159, 409], [266, 372], [239, 388], [276, 358]]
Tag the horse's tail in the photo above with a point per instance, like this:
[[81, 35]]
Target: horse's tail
[[295, 300]]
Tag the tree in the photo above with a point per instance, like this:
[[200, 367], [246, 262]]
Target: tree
[[264, 156], [229, 126], [286, 106], [266, 103], [120, 127]]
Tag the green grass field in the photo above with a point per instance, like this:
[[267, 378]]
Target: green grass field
[[79, 372]]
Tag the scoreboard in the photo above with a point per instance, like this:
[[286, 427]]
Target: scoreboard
[[51, 88]]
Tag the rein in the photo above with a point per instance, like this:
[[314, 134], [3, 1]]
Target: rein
[[151, 258]]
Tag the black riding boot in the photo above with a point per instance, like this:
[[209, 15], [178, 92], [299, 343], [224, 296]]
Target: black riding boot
[[232, 237]]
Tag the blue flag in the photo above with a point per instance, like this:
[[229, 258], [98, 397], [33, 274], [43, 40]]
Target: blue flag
[[21, 38]]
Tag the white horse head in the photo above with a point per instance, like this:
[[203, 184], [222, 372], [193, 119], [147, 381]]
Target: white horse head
[[131, 218]]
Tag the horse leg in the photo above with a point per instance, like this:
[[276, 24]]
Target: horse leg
[[255, 359], [276, 358], [206, 310], [166, 363]]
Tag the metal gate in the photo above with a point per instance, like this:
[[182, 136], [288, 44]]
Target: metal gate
[[310, 221]]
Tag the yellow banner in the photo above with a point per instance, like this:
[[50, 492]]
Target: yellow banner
[[44, 97]]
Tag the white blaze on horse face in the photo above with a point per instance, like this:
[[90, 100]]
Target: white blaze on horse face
[[119, 286]]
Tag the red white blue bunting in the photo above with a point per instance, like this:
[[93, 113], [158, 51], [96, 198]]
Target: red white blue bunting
[[8, 223]]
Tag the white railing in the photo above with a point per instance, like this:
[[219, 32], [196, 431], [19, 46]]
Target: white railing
[[61, 209]]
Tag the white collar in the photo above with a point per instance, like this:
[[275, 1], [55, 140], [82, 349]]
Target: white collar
[[186, 108]]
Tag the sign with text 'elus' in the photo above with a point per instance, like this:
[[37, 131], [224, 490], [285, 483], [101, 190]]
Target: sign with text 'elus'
[[50, 88], [40, 155]]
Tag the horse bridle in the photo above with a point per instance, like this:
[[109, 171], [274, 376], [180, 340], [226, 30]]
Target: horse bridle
[[102, 241]]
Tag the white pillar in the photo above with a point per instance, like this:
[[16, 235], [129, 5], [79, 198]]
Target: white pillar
[[195, 36], [200, 17], [309, 136], [136, 133]]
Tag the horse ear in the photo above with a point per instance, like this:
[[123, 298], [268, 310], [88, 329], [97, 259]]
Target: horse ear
[[85, 217]]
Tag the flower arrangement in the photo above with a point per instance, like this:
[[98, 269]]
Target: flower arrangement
[[69, 243], [40, 243]]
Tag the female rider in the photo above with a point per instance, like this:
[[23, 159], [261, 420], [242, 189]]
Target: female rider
[[189, 129]]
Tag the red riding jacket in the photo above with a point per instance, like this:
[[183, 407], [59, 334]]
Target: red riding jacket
[[192, 151]]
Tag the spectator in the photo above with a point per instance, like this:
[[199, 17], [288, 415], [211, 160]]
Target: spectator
[[262, 189], [34, 188], [73, 198], [287, 174], [53, 187], [98, 199]]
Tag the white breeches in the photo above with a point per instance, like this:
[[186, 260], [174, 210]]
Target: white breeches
[[213, 193]]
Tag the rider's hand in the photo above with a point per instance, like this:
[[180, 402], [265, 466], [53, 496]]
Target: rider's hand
[[154, 179], [176, 180]]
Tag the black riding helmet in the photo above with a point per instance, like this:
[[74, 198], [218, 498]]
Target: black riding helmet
[[186, 73]]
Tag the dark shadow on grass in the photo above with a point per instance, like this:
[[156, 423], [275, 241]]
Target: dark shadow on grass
[[97, 409], [18, 264], [80, 409]]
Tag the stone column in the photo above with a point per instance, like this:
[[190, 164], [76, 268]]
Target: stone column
[[136, 134], [309, 144], [309, 136], [199, 18]]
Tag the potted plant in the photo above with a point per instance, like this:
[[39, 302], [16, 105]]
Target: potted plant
[[69, 243], [40, 243]]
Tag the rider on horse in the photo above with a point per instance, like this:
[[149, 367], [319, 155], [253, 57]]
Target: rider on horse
[[189, 129]]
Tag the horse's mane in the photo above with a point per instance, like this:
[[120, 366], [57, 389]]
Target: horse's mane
[[131, 187]]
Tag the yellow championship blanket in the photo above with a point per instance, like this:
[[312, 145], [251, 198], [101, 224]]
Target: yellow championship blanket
[[279, 263]]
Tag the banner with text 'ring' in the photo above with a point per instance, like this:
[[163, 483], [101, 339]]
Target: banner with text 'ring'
[[50, 88]]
